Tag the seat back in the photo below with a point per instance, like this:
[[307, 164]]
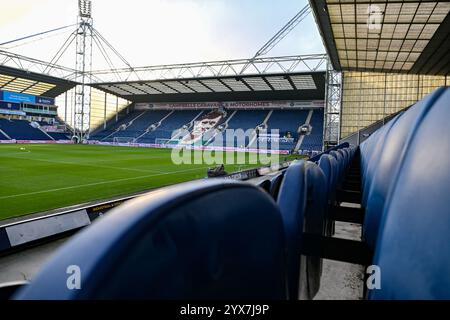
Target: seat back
[[340, 161], [328, 165], [302, 201], [392, 154], [213, 239], [376, 152], [413, 245], [275, 185]]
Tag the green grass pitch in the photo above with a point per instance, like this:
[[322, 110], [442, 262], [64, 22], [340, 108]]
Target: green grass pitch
[[38, 178]]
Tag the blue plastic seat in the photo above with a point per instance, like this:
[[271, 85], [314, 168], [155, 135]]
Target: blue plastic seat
[[387, 166], [190, 241], [328, 165], [275, 185], [371, 166], [413, 245], [303, 203], [347, 157], [340, 161]]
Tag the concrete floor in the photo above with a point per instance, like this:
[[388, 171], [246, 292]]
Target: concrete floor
[[341, 280]]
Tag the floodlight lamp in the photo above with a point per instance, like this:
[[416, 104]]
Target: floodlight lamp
[[85, 7]]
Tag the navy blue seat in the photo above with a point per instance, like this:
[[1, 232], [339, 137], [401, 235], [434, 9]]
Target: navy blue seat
[[276, 185], [413, 245], [329, 167], [387, 163], [373, 158], [266, 185], [190, 241], [21, 130], [345, 158], [340, 161], [303, 201]]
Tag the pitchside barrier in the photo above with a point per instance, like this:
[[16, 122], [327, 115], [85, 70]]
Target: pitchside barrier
[[35, 142], [150, 145], [19, 235], [188, 147], [16, 236]]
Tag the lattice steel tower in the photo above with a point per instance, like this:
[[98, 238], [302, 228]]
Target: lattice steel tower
[[83, 69], [332, 111]]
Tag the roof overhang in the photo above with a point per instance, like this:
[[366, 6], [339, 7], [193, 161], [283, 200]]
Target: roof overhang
[[277, 86], [405, 36], [17, 80]]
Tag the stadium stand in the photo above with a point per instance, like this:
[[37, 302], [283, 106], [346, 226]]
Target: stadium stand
[[137, 126], [2, 136], [314, 141], [174, 122], [59, 135], [400, 176], [287, 121], [21, 130], [245, 120]]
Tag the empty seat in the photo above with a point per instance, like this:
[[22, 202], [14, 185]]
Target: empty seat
[[413, 244], [373, 158], [275, 185], [302, 200], [190, 241], [340, 161], [387, 165], [329, 167]]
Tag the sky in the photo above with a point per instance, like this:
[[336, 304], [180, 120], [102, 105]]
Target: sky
[[152, 32]]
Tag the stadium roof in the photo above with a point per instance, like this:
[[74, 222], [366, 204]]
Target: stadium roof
[[410, 36], [277, 86], [22, 81]]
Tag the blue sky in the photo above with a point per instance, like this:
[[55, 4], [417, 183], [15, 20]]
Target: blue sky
[[149, 32]]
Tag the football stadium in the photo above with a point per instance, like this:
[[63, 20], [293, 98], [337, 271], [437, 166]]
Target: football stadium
[[319, 175]]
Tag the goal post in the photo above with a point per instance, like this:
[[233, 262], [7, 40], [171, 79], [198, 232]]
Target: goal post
[[124, 140]]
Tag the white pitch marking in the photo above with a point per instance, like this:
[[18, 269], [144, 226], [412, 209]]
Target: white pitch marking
[[98, 183], [87, 165]]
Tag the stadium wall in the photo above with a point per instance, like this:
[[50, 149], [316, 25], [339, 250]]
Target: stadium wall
[[368, 96]]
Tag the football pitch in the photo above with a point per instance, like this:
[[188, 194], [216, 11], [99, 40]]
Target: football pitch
[[38, 177]]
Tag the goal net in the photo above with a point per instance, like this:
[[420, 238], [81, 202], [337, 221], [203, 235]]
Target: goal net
[[123, 140]]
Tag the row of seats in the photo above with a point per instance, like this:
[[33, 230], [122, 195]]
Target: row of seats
[[194, 241], [314, 141], [405, 180], [405, 185], [282, 120], [170, 125], [21, 130], [59, 135]]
